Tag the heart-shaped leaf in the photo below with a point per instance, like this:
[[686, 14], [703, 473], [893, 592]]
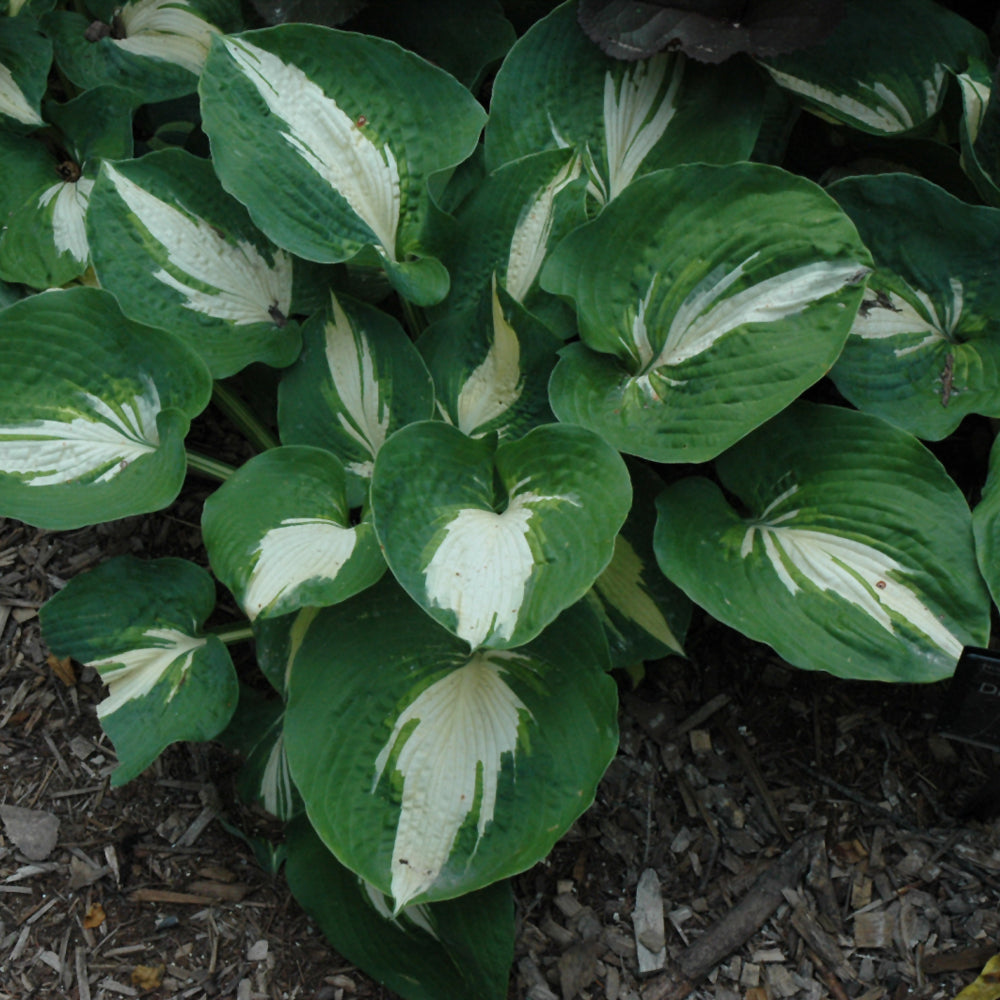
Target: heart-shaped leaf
[[924, 351], [459, 948], [179, 253], [279, 535], [342, 147], [731, 290], [138, 623], [495, 545], [93, 410], [432, 771], [854, 554], [556, 89]]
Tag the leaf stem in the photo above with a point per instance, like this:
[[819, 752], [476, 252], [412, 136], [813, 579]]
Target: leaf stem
[[414, 317], [209, 467], [243, 417], [231, 634]]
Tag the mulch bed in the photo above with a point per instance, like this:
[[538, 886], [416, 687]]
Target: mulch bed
[[763, 833]]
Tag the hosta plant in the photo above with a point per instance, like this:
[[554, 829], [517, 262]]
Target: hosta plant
[[518, 334]]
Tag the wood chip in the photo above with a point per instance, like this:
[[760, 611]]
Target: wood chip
[[34, 832], [647, 923], [873, 929]]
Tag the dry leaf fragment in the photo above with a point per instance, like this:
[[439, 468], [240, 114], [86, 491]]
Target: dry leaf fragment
[[987, 986], [63, 669], [94, 917], [148, 977]]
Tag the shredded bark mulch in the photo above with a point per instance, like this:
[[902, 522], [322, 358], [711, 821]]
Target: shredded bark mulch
[[764, 833]]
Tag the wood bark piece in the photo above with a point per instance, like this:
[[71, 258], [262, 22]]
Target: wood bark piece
[[736, 927], [34, 832], [647, 922]]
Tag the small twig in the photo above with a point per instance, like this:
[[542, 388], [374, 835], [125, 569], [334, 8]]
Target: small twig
[[746, 758], [697, 718]]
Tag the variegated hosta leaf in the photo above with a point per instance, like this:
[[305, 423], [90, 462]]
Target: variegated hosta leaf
[[854, 77], [491, 367], [279, 534], [856, 556], [986, 526], [432, 771], [359, 379], [506, 228], [731, 290], [138, 624], [495, 545], [93, 411], [460, 948], [645, 616], [154, 48], [25, 58], [556, 89], [979, 129], [336, 127], [181, 254], [924, 351]]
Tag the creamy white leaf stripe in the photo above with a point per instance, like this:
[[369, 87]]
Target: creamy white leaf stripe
[[532, 232], [66, 203], [631, 125], [458, 732], [854, 570], [621, 586], [276, 785], [975, 97], [351, 363], [496, 383], [168, 30], [13, 103], [876, 105], [418, 915], [481, 567], [702, 318], [890, 315], [247, 288], [298, 550], [101, 438], [133, 673], [328, 139]]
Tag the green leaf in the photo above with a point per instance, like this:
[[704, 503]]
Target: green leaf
[[325, 137], [93, 411], [461, 948], [986, 525], [924, 351], [495, 546], [880, 83], [432, 771], [491, 367], [180, 254], [138, 624], [852, 552], [979, 129], [645, 616], [359, 379], [279, 535], [154, 48], [556, 89], [731, 290], [25, 58]]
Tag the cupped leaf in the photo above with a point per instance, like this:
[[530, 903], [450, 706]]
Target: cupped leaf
[[731, 290], [495, 545], [138, 624], [460, 948], [336, 128], [856, 78], [432, 771], [556, 89], [852, 552], [986, 526], [924, 351], [279, 534], [491, 367], [181, 254], [506, 228], [93, 411], [154, 48], [358, 380], [25, 58], [645, 616]]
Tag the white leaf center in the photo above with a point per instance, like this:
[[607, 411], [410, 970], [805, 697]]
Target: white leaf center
[[167, 30]]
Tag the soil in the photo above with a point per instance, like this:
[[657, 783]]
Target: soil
[[799, 836]]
